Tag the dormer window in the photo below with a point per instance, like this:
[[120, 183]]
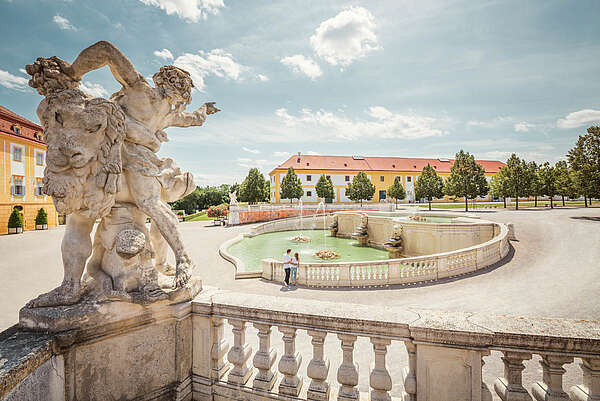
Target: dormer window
[[16, 129], [308, 164], [393, 166]]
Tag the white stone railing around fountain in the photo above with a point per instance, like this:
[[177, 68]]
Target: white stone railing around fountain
[[254, 347], [396, 271]]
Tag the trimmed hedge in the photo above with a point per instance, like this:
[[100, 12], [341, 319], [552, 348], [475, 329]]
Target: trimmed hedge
[[15, 220], [41, 218]]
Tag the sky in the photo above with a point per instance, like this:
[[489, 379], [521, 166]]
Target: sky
[[398, 78]]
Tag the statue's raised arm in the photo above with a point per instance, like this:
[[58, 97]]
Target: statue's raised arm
[[105, 53]]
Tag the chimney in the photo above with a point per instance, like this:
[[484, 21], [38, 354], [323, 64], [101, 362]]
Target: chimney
[[298, 161]]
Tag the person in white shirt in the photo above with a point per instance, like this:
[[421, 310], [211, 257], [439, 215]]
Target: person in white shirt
[[287, 259], [294, 270]]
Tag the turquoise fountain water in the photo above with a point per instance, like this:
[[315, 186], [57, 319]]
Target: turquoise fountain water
[[273, 245]]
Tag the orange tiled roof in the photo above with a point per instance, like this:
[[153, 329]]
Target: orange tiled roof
[[4, 112], [400, 164]]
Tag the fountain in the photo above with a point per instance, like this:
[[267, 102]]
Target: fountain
[[394, 245], [333, 228], [361, 233], [301, 237]]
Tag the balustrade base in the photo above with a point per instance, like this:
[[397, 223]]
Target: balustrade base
[[507, 393], [348, 395], [541, 392], [264, 383], [290, 387], [582, 393], [318, 392]]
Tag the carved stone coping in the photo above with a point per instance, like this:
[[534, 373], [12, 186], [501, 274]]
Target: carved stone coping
[[21, 353], [453, 329]]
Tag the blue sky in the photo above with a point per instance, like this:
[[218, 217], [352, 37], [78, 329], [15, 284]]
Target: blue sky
[[377, 78]]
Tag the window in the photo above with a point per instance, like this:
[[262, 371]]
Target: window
[[407, 179], [347, 178], [381, 178], [39, 158], [17, 154], [309, 193], [309, 178], [18, 187], [16, 129], [38, 187]]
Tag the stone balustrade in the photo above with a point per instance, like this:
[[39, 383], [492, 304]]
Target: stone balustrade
[[444, 352], [396, 271]]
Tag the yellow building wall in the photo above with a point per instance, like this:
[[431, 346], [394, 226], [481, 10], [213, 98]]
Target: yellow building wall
[[388, 180], [30, 203]]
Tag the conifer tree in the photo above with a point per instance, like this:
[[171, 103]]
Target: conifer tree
[[396, 190]]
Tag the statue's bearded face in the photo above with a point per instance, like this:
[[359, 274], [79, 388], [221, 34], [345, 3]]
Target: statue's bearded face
[[79, 132]]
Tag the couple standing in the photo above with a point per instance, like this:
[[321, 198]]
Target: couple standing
[[290, 265]]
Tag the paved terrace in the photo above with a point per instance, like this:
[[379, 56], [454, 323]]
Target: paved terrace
[[554, 270]]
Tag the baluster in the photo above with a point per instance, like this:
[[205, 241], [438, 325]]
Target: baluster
[[219, 349], [239, 354], [318, 368], [510, 387], [590, 389], [410, 373], [347, 374], [290, 363], [550, 388], [264, 359], [380, 379]]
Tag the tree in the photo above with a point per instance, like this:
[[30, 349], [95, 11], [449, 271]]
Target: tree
[[429, 185], [547, 181], [324, 188], [41, 218], [467, 178], [564, 181], [291, 187], [396, 190], [361, 188], [15, 220], [188, 203], [252, 189], [584, 159], [499, 185], [535, 186], [518, 178]]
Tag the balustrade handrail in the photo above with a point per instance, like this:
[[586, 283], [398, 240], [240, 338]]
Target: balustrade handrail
[[570, 337]]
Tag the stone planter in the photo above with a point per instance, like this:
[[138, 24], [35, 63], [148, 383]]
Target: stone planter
[[41, 226], [17, 230]]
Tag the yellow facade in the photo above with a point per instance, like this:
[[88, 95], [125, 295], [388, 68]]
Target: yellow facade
[[381, 179], [22, 162]]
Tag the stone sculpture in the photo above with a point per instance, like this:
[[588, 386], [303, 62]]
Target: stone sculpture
[[102, 164], [233, 198]]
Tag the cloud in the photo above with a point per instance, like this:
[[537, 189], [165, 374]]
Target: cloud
[[302, 64], [489, 123], [523, 126], [63, 23], [216, 62], [253, 151], [282, 154], [93, 89], [578, 118], [255, 163], [312, 153], [11, 81], [188, 10], [383, 124], [164, 54], [346, 37], [262, 77]]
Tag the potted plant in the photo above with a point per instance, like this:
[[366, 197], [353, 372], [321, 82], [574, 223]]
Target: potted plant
[[41, 220], [180, 215], [15, 222]]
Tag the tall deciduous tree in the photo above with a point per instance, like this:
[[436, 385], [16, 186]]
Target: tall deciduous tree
[[564, 181], [535, 186], [429, 185], [518, 178], [361, 188], [467, 178], [547, 181], [324, 188], [499, 186], [396, 190], [252, 189], [584, 159], [291, 187]]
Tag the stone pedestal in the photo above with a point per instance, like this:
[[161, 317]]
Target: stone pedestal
[[120, 350]]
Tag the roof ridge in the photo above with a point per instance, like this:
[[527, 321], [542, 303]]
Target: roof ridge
[[11, 114]]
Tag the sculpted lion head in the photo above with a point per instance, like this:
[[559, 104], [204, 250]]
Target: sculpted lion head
[[84, 136]]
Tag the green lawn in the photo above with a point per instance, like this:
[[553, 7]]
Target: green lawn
[[498, 205], [197, 217]]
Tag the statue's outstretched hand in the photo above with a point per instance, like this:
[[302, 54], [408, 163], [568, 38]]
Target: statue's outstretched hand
[[210, 108]]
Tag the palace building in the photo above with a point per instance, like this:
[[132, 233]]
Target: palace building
[[22, 165], [381, 170]]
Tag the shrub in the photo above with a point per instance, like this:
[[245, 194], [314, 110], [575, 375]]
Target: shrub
[[15, 220], [41, 218], [180, 213], [217, 211]]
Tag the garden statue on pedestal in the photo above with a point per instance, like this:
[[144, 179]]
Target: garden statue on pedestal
[[101, 164]]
